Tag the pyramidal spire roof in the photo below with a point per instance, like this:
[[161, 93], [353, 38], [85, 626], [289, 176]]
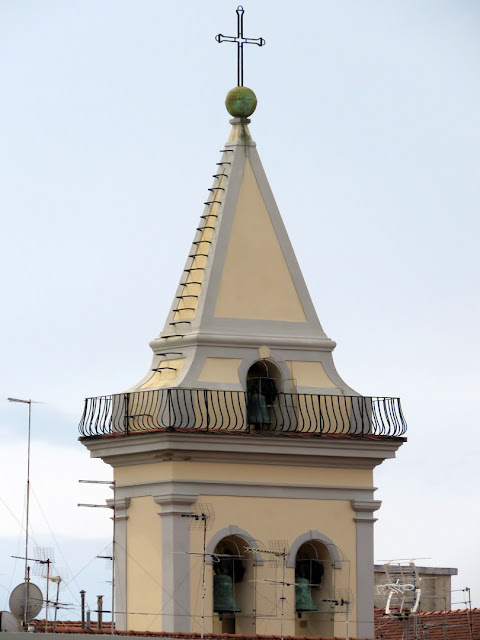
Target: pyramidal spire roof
[[241, 296]]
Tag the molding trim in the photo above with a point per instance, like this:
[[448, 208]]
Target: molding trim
[[232, 530], [364, 509], [311, 343], [314, 535], [180, 493], [273, 449], [172, 501]]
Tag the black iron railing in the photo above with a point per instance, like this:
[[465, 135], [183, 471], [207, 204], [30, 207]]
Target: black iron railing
[[240, 412]]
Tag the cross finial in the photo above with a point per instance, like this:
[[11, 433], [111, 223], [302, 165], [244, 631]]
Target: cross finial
[[240, 40]]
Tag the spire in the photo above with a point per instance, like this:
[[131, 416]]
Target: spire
[[241, 296]]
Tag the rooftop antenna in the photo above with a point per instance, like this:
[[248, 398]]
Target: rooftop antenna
[[43, 558], [113, 486], [27, 572], [202, 517], [277, 549], [403, 587]]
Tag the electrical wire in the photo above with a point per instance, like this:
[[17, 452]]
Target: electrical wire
[[74, 595]]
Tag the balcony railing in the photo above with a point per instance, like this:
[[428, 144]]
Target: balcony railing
[[240, 412]]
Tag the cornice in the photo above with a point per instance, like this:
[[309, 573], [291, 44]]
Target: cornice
[[233, 448], [185, 492], [251, 341]]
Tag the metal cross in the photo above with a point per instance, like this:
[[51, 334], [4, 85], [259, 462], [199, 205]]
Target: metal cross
[[240, 40]]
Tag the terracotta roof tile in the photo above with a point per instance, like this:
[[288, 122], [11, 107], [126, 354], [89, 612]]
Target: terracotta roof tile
[[460, 624]]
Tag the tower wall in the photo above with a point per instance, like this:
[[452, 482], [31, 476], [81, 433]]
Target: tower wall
[[257, 503]]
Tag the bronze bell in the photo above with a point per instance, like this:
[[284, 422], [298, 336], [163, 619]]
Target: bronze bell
[[303, 596], [223, 597]]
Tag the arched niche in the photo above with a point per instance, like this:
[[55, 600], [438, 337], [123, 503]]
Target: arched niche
[[321, 537], [232, 530], [228, 555], [264, 382], [314, 557]]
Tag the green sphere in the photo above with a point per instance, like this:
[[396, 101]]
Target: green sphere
[[241, 102]]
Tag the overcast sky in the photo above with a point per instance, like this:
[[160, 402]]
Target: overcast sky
[[111, 118]]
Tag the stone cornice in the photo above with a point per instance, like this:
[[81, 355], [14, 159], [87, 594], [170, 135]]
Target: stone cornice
[[364, 510], [356, 453], [183, 492], [172, 501], [309, 343]]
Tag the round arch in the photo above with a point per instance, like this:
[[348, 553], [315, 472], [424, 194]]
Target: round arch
[[308, 537], [249, 361], [232, 530]]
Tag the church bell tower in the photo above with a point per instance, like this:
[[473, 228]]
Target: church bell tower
[[243, 462]]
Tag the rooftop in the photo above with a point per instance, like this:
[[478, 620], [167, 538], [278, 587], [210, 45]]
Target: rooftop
[[459, 624]]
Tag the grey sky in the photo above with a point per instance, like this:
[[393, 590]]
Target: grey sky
[[111, 117]]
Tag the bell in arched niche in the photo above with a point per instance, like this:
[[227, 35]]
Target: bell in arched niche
[[263, 383], [228, 569], [308, 575]]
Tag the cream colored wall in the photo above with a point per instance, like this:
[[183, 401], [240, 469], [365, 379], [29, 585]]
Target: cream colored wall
[[277, 519], [309, 374], [256, 281], [244, 473], [263, 518], [220, 370], [144, 564]]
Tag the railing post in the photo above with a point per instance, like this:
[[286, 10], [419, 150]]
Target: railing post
[[205, 393], [169, 395], [125, 417], [361, 414], [320, 413]]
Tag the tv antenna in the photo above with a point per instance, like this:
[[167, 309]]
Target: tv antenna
[[277, 551], [43, 557], [402, 588], [202, 517], [110, 505]]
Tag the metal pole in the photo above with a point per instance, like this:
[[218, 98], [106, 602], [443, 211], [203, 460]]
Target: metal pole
[[203, 575], [346, 625], [27, 573], [283, 593], [82, 598], [56, 606], [99, 612], [46, 603], [113, 557]]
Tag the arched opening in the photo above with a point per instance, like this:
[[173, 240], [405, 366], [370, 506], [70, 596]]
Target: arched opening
[[264, 382], [314, 590], [233, 593]]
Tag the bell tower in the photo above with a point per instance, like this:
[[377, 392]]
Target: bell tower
[[244, 425]]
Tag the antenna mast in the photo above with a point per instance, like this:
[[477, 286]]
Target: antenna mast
[[27, 571], [202, 516]]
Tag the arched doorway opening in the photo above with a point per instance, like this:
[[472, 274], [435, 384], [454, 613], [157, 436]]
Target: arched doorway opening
[[314, 590], [264, 383], [233, 591]]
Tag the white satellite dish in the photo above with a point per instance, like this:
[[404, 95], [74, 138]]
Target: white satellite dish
[[8, 622], [18, 599]]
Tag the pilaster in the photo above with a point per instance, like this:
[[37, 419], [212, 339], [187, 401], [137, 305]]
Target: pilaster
[[175, 558], [121, 517], [364, 535]]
